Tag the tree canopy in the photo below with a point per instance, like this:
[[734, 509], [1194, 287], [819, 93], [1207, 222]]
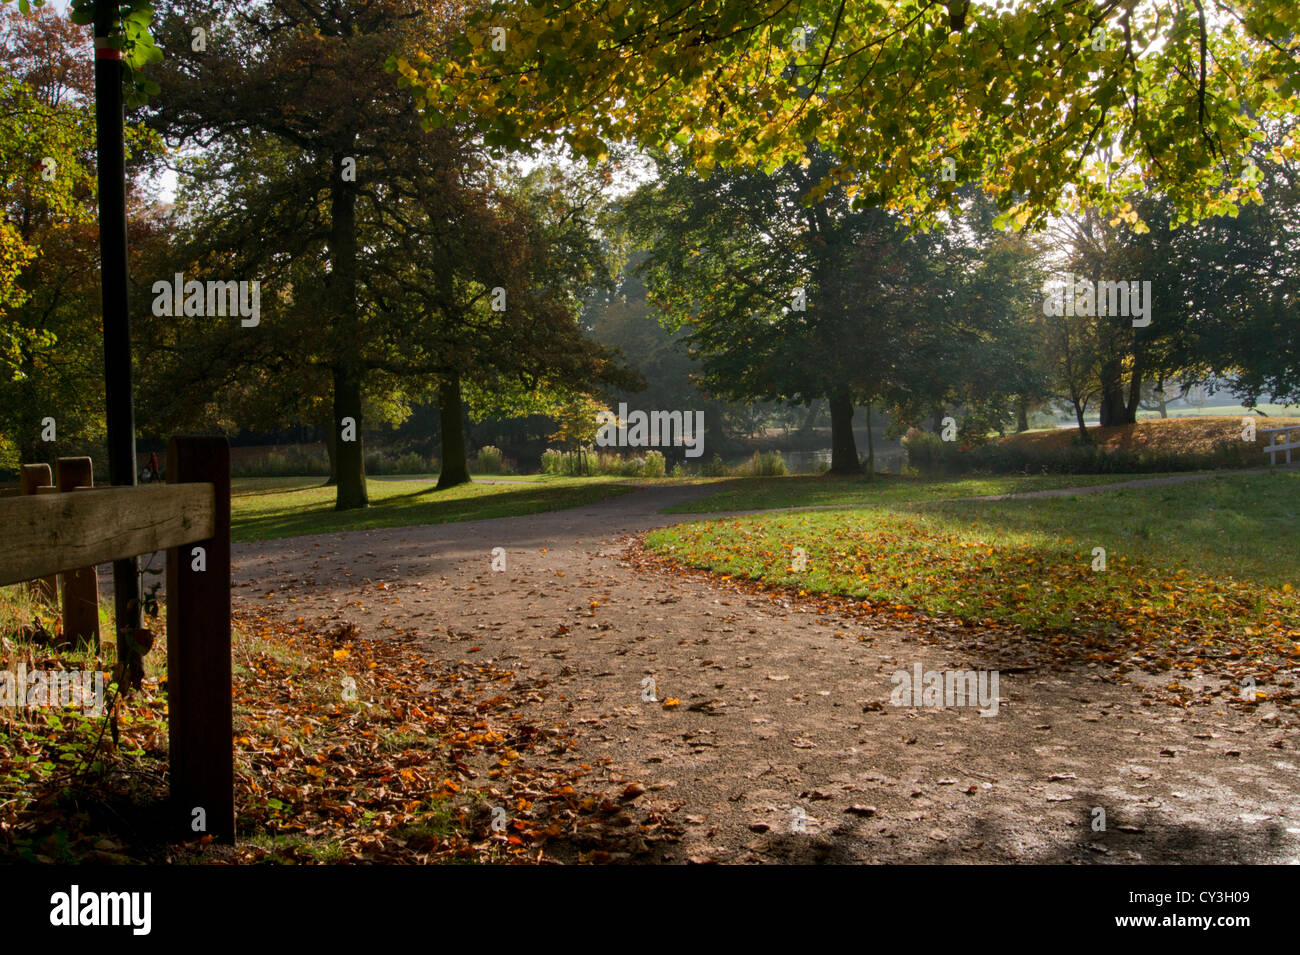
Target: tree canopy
[[1048, 103]]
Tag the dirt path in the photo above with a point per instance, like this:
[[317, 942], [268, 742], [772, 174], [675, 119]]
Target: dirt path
[[781, 749]]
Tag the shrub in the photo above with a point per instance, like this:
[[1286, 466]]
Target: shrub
[[385, 463], [289, 462], [412, 463], [490, 460], [580, 462], [765, 464], [587, 461], [715, 468]]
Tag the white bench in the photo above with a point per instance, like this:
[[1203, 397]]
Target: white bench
[[1277, 440]]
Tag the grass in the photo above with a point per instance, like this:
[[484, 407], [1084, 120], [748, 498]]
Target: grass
[[1212, 560], [819, 490], [269, 508], [1270, 411]]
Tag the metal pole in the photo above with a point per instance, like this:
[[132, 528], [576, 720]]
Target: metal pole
[[120, 412]]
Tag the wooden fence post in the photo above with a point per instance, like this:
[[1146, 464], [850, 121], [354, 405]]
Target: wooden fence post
[[80, 587], [199, 708], [33, 478]]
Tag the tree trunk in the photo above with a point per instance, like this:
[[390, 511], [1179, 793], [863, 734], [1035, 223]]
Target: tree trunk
[[844, 450], [351, 454], [1113, 411], [871, 448], [455, 462], [1022, 415], [332, 449], [1078, 416], [1134, 395]]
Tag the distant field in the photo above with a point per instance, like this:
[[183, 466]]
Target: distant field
[[1224, 411], [268, 508]]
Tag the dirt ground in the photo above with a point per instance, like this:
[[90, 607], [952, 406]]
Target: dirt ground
[[785, 747]]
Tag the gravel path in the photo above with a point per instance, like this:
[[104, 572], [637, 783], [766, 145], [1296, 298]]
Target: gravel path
[[785, 746]]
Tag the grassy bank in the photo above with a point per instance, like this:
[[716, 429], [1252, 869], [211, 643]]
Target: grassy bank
[[1209, 564], [819, 490]]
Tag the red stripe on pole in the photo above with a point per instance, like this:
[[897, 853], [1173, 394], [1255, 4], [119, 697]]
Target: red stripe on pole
[[107, 53]]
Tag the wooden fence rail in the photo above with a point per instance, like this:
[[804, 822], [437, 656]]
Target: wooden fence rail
[[45, 534]]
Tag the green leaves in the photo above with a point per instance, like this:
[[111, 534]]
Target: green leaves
[[1028, 95]]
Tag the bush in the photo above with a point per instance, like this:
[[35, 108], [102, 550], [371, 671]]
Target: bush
[[715, 468], [580, 462], [292, 461], [384, 463], [678, 470], [764, 464], [587, 461], [926, 452], [491, 461]]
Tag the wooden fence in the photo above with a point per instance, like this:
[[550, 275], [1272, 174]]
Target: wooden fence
[[43, 534]]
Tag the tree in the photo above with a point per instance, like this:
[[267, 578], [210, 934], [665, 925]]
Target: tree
[[1224, 295], [452, 272], [51, 354], [1238, 283], [305, 75], [1022, 96], [511, 264], [1073, 357], [793, 295], [624, 321]]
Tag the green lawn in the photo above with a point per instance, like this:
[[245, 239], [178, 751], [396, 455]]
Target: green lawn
[[1204, 561], [820, 490], [268, 508], [1230, 411]]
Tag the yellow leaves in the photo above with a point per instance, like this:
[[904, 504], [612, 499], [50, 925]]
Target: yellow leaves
[[342, 654], [671, 702]]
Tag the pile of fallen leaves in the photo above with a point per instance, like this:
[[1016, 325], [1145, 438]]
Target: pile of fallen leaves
[[351, 749], [346, 750], [1191, 435]]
